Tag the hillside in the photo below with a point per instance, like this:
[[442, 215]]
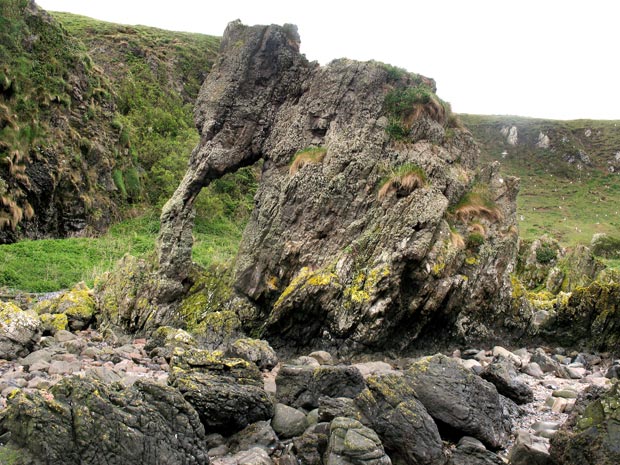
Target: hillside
[[569, 170], [96, 128]]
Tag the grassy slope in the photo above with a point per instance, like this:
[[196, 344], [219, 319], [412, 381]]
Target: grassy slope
[[155, 76], [569, 200]]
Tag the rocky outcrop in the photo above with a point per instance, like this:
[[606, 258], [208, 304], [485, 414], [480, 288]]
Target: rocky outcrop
[[83, 420], [592, 434], [370, 229]]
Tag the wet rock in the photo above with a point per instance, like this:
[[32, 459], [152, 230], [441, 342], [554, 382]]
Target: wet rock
[[470, 451], [227, 393], [82, 420], [288, 421], [19, 331], [591, 435], [256, 351], [456, 397], [503, 375], [391, 408], [352, 443], [529, 450], [301, 386]]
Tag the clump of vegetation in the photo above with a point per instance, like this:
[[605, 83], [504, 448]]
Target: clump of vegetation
[[456, 239], [477, 204], [606, 246], [404, 106], [475, 240], [307, 156], [402, 179], [545, 254]]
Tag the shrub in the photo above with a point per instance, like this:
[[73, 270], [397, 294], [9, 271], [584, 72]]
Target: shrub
[[545, 254], [132, 183], [119, 182], [307, 156], [404, 178]]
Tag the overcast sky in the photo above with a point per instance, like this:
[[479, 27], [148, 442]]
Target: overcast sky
[[542, 58]]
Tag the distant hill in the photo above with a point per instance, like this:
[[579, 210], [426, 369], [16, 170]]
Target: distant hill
[[569, 170]]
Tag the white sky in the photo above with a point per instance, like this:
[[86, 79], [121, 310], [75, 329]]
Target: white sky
[[542, 58]]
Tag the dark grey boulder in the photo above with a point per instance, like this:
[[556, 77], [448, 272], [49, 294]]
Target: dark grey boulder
[[352, 443], [227, 393], [407, 431], [502, 374], [301, 386], [460, 401], [82, 420]]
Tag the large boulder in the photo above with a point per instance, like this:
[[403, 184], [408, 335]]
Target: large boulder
[[83, 420], [370, 227], [459, 399], [227, 393], [302, 385], [19, 331], [392, 410], [255, 351], [591, 435], [351, 443], [470, 451]]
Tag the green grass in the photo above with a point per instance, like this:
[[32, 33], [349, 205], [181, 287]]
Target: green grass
[[53, 264], [558, 198]]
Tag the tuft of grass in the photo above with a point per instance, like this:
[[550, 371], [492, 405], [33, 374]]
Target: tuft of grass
[[307, 156], [404, 178], [456, 239], [477, 204]]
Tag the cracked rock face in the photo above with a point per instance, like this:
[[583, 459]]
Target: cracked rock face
[[341, 250]]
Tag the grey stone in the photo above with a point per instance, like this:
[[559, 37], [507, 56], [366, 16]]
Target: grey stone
[[503, 375], [19, 331], [391, 408], [288, 422], [350, 442], [455, 396], [301, 386], [470, 451], [311, 446], [253, 456], [256, 351], [534, 370], [529, 450], [323, 357], [259, 434]]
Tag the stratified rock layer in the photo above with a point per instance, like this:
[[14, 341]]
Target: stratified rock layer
[[340, 250]]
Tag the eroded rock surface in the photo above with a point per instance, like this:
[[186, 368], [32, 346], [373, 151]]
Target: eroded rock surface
[[359, 238]]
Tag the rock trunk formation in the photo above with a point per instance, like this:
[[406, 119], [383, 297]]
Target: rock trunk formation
[[372, 227]]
